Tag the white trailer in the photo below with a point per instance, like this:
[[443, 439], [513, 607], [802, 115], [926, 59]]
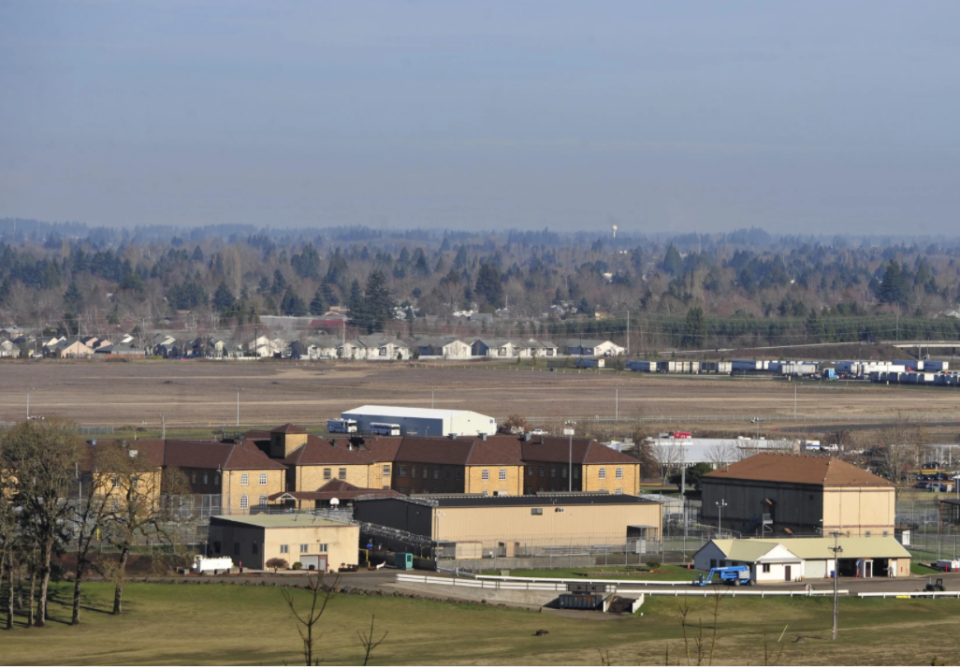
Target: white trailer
[[203, 564]]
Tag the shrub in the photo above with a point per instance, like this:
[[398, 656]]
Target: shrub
[[298, 565], [276, 564], [653, 564]]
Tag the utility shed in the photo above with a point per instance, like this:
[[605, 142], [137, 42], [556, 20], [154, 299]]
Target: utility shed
[[797, 559], [319, 544], [775, 494], [423, 421]]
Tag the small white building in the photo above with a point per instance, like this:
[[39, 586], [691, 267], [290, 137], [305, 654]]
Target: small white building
[[801, 558]]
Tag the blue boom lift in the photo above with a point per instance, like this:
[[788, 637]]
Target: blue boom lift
[[733, 575]]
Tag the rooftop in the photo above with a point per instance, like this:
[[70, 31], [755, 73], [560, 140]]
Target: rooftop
[[281, 520], [542, 500], [798, 469], [815, 548], [397, 411]]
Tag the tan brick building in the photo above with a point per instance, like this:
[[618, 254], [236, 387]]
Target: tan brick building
[[595, 468], [458, 465]]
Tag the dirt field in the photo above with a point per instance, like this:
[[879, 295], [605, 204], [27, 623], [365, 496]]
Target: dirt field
[[201, 394]]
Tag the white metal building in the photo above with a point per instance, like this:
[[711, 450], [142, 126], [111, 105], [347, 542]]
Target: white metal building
[[423, 421]]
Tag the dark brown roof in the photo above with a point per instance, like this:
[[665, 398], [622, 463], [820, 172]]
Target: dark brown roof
[[289, 428], [456, 451], [318, 451], [552, 449], [146, 450], [216, 455], [798, 469], [383, 448], [339, 489]]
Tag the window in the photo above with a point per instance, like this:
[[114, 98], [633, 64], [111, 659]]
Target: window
[[386, 470], [503, 474], [766, 568], [216, 480], [536, 511], [485, 494], [529, 471], [446, 473], [541, 471], [886, 533], [563, 472], [403, 471], [263, 479], [236, 548], [460, 475], [263, 500], [116, 481], [436, 473], [323, 547], [485, 475], [413, 471], [304, 548], [713, 563], [342, 473], [284, 548], [553, 471], [867, 534], [576, 473], [326, 473], [193, 478], [244, 502], [603, 473], [618, 492], [619, 473], [205, 478], [424, 472], [244, 479]]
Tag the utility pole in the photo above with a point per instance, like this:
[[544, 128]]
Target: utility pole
[[28, 402], [794, 402], [163, 427], [628, 334], [837, 550], [617, 413], [569, 432], [238, 405], [720, 505]]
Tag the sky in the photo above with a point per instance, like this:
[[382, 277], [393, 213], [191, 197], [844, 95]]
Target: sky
[[813, 117]]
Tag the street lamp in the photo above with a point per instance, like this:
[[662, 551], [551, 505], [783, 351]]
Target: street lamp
[[569, 432], [239, 389], [720, 505], [757, 421], [28, 402], [837, 550]]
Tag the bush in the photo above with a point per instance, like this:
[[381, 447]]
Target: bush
[[277, 563], [298, 565], [653, 564]]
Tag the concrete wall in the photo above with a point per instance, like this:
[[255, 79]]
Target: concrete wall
[[860, 510]]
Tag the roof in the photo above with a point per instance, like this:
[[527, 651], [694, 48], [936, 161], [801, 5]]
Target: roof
[[456, 451], [396, 411], [815, 548], [797, 469], [289, 428], [338, 489], [542, 500], [556, 449], [317, 451], [280, 521], [199, 454]]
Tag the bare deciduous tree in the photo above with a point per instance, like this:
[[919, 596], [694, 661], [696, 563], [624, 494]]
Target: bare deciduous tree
[[369, 640], [320, 595]]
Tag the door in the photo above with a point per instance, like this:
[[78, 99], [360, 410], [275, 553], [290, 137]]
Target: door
[[787, 573], [314, 562]]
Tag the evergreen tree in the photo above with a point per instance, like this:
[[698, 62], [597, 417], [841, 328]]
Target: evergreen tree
[[672, 262], [694, 328], [223, 298], [316, 305], [279, 283], [377, 302], [489, 288], [73, 299], [197, 254], [292, 304]]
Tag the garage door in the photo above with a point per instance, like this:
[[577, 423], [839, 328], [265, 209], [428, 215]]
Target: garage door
[[314, 562], [815, 569]]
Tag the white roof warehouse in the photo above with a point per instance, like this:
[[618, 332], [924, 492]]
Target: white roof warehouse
[[423, 421]]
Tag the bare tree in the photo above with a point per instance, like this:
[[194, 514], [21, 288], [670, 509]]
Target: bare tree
[[643, 449], [369, 640], [320, 595], [668, 454], [723, 453], [902, 447], [43, 456]]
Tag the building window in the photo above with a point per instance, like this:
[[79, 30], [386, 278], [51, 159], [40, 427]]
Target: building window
[[867, 534], [536, 511], [618, 492], [244, 479], [576, 473], [713, 563], [563, 472], [284, 548], [436, 473], [244, 502], [766, 568], [485, 494], [413, 471], [216, 480], [446, 473], [485, 475], [236, 548], [327, 474], [304, 548], [263, 479], [403, 471], [541, 471], [424, 472], [116, 481], [342, 473], [193, 478], [503, 474], [386, 470], [204, 478], [460, 475], [263, 500], [323, 547], [603, 473], [553, 471], [529, 471], [619, 473]]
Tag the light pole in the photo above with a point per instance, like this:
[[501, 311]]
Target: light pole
[[720, 505], [617, 413], [432, 389], [28, 402], [436, 535], [757, 421], [837, 550], [238, 405]]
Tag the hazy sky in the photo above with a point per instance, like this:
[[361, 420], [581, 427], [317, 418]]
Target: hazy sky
[[808, 116]]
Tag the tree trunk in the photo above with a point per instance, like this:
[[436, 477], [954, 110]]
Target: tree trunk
[[33, 592], [75, 619], [46, 556], [10, 599], [121, 573]]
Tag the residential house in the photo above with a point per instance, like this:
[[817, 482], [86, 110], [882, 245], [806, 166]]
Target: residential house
[[447, 347], [9, 349], [72, 349], [593, 348], [121, 350]]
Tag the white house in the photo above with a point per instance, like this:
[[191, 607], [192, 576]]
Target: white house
[[801, 558], [593, 348]]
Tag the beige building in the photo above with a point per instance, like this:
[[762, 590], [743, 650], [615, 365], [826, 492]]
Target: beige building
[[513, 525], [318, 544], [595, 469], [769, 494]]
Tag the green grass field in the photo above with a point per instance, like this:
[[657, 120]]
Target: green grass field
[[215, 624]]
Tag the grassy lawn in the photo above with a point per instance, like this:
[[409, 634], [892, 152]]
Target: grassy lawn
[[663, 573], [923, 570], [213, 624]]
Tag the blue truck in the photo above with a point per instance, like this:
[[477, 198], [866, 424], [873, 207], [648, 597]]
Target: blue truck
[[733, 575]]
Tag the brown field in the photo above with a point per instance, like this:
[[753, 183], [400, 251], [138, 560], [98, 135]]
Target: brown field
[[203, 393]]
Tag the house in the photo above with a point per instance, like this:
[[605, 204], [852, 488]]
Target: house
[[800, 559], [447, 347], [8, 349], [457, 465], [538, 349], [595, 468], [384, 348], [461, 526], [593, 348], [73, 349], [315, 543], [798, 494], [121, 350], [334, 490], [498, 348]]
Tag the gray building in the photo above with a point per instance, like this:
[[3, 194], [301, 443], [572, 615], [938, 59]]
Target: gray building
[[423, 421]]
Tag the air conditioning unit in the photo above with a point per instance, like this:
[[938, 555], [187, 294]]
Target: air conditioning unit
[[560, 509]]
